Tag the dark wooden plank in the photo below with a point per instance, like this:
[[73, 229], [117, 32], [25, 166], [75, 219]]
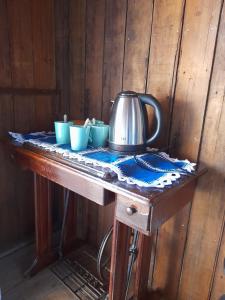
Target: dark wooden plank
[[218, 288], [112, 84], [207, 215], [21, 41], [24, 110], [43, 43], [8, 211], [138, 32], [61, 11], [32, 62], [113, 53], [43, 220], [145, 244], [119, 261], [5, 73], [164, 51], [28, 91], [95, 17], [44, 61], [77, 48], [77, 52], [9, 208], [44, 116], [67, 176], [43, 224], [20, 28], [95, 21], [166, 26], [24, 121], [200, 28]]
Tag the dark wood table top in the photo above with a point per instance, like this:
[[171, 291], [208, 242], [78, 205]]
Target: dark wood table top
[[98, 175]]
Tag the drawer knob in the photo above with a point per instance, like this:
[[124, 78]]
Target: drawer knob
[[131, 210]]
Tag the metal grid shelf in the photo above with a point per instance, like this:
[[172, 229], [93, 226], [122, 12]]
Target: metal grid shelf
[[78, 272]]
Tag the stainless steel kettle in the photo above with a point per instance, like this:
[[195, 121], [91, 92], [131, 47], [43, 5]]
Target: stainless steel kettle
[[129, 121]]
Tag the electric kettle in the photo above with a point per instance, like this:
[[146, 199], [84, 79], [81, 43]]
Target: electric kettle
[[129, 122]]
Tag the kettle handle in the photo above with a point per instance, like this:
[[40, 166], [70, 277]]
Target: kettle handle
[[150, 100]]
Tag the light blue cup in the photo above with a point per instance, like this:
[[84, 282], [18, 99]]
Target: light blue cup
[[62, 132], [99, 135], [79, 137], [99, 122]]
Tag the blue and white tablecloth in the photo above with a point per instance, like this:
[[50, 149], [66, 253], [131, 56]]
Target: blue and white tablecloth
[[152, 169]]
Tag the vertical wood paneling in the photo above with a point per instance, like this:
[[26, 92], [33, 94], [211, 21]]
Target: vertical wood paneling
[[138, 32], [218, 289], [113, 52], [112, 81], [95, 18], [5, 67], [95, 35], [90, 39], [43, 43], [44, 61], [27, 61], [20, 29], [8, 235], [21, 41], [77, 50], [170, 56], [198, 42], [61, 13], [77, 57], [164, 51], [199, 29], [207, 216], [44, 113]]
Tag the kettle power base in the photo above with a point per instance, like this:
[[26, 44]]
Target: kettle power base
[[127, 149]]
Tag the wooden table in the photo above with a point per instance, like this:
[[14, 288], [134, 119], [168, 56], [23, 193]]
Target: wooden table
[[143, 209]]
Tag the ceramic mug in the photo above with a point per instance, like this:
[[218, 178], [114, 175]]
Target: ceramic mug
[[62, 132], [99, 135], [79, 136], [98, 122]]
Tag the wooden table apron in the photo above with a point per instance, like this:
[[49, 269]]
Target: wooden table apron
[[148, 209]]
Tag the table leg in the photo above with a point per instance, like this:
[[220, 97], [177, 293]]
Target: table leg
[[142, 266], [43, 225], [119, 261]]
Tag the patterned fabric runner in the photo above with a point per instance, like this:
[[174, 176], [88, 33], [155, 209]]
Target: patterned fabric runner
[[152, 169]]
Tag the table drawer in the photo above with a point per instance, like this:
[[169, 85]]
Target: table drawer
[[133, 213]]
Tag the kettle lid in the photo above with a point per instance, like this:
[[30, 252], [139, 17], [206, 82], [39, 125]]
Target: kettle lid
[[127, 93]]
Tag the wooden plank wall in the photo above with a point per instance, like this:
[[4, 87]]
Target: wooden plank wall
[[174, 50], [90, 50], [27, 94]]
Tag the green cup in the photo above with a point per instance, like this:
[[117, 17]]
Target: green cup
[[79, 136], [99, 135], [62, 132]]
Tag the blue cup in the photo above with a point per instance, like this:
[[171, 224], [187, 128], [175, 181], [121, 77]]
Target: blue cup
[[99, 122], [62, 132], [79, 136], [99, 135]]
